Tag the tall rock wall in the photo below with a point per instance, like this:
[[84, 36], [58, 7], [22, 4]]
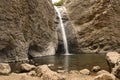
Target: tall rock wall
[[96, 24], [26, 27]]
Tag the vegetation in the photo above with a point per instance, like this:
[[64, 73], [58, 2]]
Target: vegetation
[[59, 3]]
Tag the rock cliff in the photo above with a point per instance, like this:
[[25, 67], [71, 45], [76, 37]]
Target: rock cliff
[[26, 28], [96, 24]]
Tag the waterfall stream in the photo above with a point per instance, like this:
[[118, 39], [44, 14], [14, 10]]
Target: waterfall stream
[[63, 31]]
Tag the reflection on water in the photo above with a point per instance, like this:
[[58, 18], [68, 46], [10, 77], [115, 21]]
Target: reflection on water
[[66, 63], [73, 62]]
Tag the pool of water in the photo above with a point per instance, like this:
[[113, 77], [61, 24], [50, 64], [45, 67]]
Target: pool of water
[[73, 62]]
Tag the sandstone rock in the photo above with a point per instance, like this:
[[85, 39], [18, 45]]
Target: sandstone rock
[[116, 71], [101, 72], [26, 26], [105, 76], [5, 68], [112, 59], [46, 74], [85, 72], [27, 67], [96, 68], [32, 73], [96, 24]]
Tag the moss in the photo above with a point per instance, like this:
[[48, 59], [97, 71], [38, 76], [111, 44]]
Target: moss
[[59, 3]]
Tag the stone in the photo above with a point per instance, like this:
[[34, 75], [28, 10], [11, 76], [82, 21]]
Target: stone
[[27, 27], [5, 68], [96, 68], [85, 72], [105, 76], [116, 71], [27, 67], [101, 72], [32, 73], [46, 74], [113, 57], [95, 24]]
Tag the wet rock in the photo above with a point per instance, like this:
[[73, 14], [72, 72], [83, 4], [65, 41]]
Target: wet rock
[[85, 72], [105, 76], [5, 68], [46, 74], [96, 24], [101, 72], [27, 67], [96, 68]]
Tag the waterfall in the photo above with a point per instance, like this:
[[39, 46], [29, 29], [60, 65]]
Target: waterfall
[[63, 32]]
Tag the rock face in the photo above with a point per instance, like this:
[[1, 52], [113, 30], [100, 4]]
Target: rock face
[[96, 24], [26, 27]]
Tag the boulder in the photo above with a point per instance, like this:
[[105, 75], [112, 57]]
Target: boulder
[[85, 72], [26, 27], [46, 74], [96, 68], [113, 57], [116, 71], [27, 67], [96, 24], [32, 73], [5, 68], [101, 72], [105, 76]]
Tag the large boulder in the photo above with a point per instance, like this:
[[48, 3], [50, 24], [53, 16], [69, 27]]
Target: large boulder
[[46, 74], [113, 59], [26, 27], [96, 24]]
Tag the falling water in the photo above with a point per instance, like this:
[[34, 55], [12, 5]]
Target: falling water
[[63, 32]]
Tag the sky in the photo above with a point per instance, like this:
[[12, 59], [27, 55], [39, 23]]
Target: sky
[[55, 1]]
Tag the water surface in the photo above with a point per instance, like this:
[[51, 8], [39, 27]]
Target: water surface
[[73, 62]]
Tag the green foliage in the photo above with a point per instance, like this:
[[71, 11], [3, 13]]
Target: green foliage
[[59, 3]]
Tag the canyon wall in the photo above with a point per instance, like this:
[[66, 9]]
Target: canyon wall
[[26, 28], [96, 24]]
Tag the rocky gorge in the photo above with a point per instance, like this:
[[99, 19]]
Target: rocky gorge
[[31, 29]]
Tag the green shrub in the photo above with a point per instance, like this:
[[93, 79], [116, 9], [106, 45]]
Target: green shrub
[[59, 3]]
